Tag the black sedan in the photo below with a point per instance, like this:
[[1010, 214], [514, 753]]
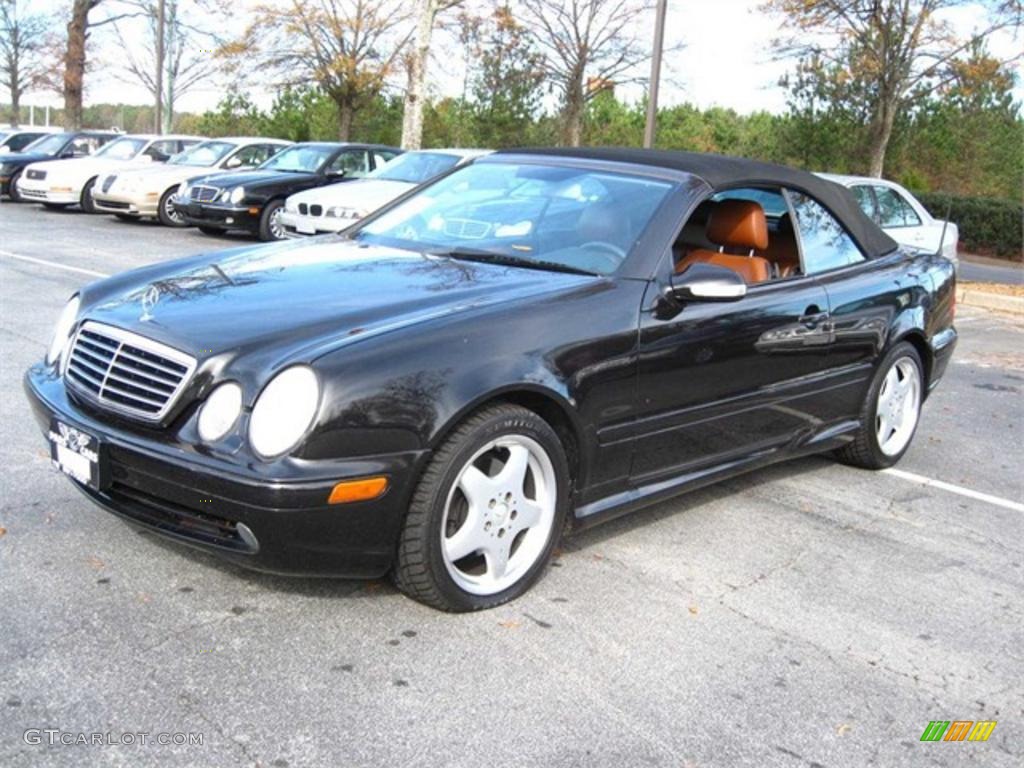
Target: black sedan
[[537, 340], [253, 201], [54, 146]]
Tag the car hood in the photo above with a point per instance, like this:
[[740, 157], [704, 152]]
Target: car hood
[[250, 179], [23, 157], [82, 166], [161, 174], [299, 299], [362, 194]]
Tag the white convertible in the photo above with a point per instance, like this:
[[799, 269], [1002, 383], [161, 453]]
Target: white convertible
[[60, 183], [901, 214], [338, 206], [149, 191]]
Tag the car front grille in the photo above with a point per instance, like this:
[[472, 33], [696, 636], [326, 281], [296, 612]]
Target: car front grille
[[108, 183], [113, 204], [37, 175], [204, 194], [36, 193], [311, 210], [126, 372]]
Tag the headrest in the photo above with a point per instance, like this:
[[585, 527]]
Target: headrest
[[738, 224]]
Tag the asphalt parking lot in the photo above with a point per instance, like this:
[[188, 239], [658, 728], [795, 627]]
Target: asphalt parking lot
[[809, 615]]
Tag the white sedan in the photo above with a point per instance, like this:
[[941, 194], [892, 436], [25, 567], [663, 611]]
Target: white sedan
[[149, 190], [60, 183], [901, 214], [338, 206]]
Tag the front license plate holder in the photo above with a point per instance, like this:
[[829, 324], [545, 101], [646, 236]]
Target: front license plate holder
[[77, 454]]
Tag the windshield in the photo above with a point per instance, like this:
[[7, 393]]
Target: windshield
[[300, 159], [202, 155], [122, 149], [527, 215], [49, 145], [416, 167]]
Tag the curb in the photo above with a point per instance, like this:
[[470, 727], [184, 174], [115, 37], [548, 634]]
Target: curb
[[994, 301]]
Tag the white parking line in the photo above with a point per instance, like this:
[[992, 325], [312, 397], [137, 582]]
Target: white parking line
[[53, 264], [978, 495]]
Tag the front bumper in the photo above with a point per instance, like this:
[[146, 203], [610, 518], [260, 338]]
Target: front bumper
[[219, 215], [132, 204], [43, 192], [298, 225], [274, 525]]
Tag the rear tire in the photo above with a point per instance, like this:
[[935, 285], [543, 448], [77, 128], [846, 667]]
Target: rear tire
[[270, 221], [212, 231], [486, 514], [87, 203], [166, 213], [12, 189], [891, 411]]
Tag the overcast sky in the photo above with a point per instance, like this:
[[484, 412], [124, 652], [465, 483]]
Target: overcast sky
[[727, 60]]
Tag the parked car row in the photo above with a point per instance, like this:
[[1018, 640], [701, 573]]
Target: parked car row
[[275, 189]]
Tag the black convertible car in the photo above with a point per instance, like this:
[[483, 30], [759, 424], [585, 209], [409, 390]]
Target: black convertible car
[[53, 146], [253, 201], [536, 340]]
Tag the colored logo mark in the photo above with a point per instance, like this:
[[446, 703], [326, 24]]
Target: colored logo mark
[[958, 730]]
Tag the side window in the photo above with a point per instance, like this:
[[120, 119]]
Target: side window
[[355, 164], [826, 245], [866, 201], [382, 156], [893, 210], [250, 156], [161, 150]]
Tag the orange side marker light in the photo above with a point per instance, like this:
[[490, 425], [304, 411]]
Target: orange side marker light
[[366, 489]]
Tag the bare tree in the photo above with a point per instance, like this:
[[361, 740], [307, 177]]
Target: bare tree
[[588, 46], [187, 50], [350, 48], [897, 47], [22, 46], [412, 115], [79, 24]]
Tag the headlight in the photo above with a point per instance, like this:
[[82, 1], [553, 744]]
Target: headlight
[[283, 411], [62, 333], [237, 195], [344, 212], [220, 412]]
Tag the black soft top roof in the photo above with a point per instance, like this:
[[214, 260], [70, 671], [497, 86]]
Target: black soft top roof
[[724, 172]]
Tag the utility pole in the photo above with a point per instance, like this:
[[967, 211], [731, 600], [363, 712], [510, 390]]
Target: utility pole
[[159, 127], [652, 95]]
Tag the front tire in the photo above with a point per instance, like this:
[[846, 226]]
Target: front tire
[[87, 203], [487, 512], [12, 189], [891, 411], [270, 221], [165, 211]]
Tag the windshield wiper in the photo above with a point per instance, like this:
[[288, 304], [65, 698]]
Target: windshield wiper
[[490, 257]]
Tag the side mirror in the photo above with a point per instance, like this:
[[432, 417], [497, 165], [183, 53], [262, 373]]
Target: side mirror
[[338, 174], [233, 162], [706, 282]]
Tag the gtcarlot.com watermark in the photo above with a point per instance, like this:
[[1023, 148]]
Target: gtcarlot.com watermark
[[56, 737]]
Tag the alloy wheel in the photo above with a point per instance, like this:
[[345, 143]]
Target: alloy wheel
[[898, 406], [499, 515]]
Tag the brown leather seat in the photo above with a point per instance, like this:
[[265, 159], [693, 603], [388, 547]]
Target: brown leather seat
[[738, 224], [782, 251]]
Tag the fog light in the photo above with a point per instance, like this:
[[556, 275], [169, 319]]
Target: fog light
[[348, 491]]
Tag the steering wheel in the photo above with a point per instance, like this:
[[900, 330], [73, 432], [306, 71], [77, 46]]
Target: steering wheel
[[611, 253]]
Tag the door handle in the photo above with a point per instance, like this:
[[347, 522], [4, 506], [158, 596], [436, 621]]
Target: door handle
[[813, 317]]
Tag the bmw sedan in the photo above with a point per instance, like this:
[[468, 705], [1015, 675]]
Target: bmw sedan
[[538, 341]]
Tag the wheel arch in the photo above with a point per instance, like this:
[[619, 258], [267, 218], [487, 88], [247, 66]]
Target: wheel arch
[[551, 406], [916, 338]]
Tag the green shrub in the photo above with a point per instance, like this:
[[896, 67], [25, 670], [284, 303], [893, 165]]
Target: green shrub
[[987, 224]]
